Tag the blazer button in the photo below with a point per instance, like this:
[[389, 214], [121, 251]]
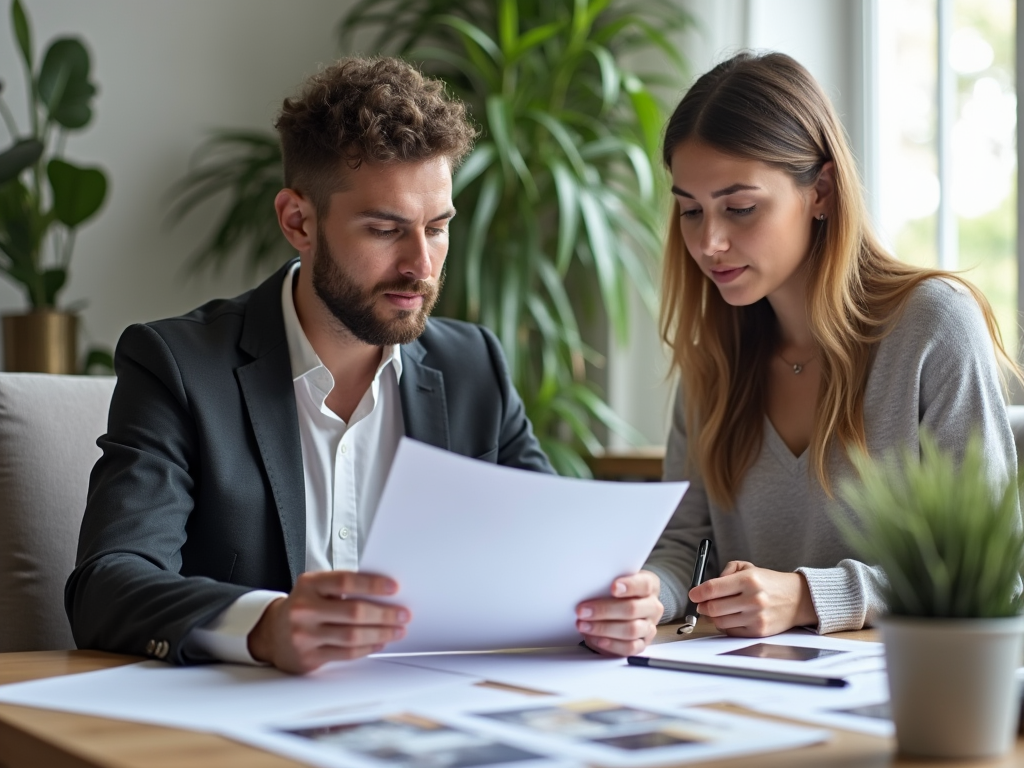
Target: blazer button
[[151, 647]]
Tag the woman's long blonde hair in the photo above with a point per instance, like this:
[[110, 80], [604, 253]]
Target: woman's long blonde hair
[[769, 108]]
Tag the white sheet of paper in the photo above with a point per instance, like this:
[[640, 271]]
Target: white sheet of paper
[[491, 557], [577, 671], [600, 732], [852, 717], [845, 657], [390, 738], [216, 696]]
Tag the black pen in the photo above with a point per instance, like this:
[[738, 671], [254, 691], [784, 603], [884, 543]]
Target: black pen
[[690, 617], [753, 674]]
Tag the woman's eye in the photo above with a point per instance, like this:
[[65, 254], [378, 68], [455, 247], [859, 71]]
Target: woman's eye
[[742, 211], [689, 214]]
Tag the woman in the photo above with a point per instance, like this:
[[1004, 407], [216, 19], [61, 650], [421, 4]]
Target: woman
[[797, 339]]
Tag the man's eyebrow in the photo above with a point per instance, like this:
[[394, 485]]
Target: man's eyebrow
[[720, 193], [399, 219]]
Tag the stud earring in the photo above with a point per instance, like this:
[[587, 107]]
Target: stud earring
[[821, 217]]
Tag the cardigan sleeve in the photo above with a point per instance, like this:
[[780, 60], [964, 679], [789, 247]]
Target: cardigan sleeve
[[673, 556]]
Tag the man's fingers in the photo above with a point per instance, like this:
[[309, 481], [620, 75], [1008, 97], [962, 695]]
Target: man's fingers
[[360, 612], [641, 584], [636, 629], [345, 583], [620, 610], [353, 636]]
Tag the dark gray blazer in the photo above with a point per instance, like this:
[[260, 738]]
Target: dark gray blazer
[[199, 494]]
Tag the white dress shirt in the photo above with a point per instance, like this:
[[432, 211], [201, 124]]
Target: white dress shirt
[[344, 466]]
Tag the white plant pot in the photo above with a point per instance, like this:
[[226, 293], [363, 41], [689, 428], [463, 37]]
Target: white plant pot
[[952, 684]]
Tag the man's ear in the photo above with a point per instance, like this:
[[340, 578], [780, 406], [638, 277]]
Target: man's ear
[[297, 219], [823, 196]]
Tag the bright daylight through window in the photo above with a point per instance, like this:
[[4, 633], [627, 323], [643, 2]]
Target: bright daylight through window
[[975, 228]]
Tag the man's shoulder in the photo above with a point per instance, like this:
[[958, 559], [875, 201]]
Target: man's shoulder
[[456, 343]]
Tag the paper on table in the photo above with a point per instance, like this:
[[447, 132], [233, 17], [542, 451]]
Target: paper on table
[[578, 671], [388, 736], [873, 717], [794, 652], [221, 695], [601, 732], [492, 557]]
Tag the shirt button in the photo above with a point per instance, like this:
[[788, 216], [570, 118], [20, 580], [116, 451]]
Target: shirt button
[[343, 533], [344, 448]]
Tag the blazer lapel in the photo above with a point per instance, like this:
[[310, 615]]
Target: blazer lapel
[[269, 395], [424, 406]]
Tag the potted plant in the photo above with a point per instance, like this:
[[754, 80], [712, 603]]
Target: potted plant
[[561, 204], [952, 548], [44, 199]]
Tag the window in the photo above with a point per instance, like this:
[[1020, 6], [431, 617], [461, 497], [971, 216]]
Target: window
[[946, 137]]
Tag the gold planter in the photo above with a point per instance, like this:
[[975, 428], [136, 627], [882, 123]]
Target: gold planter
[[41, 341]]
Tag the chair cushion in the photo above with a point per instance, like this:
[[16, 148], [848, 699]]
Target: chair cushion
[[48, 430]]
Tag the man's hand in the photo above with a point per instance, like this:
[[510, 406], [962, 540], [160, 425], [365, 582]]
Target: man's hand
[[322, 620], [747, 601], [624, 624]]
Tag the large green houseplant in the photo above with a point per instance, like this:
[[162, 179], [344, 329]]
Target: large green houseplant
[[950, 542], [44, 198], [560, 204]]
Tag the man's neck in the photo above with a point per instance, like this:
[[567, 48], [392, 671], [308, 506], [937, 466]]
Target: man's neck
[[351, 362]]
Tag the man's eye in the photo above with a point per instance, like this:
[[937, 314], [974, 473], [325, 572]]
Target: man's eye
[[742, 211], [436, 231], [383, 232]]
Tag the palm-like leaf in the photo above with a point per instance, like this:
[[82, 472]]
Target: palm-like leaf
[[558, 206]]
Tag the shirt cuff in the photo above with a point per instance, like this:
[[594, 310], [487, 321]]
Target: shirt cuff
[[226, 636]]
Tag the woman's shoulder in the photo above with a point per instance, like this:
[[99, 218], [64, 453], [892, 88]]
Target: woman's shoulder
[[942, 310]]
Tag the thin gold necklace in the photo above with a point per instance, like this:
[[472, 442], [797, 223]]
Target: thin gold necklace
[[797, 367]]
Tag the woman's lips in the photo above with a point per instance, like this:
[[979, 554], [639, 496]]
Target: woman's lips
[[726, 274]]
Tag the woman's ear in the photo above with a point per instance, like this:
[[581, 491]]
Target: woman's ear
[[823, 195]]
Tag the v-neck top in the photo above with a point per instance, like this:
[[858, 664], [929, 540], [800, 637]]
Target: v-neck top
[[936, 369]]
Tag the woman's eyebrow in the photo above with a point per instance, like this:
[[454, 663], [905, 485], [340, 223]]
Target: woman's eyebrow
[[720, 193]]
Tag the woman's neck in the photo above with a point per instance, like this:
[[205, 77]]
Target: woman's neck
[[789, 303]]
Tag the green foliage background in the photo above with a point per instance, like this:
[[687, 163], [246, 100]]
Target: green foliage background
[[561, 204]]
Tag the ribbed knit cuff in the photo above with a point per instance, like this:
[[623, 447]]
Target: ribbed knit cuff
[[838, 597], [672, 595]]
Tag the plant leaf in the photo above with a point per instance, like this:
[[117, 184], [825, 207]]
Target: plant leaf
[[22, 32], [23, 154], [78, 193], [64, 85]]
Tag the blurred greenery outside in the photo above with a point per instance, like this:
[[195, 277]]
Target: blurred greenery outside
[[988, 242]]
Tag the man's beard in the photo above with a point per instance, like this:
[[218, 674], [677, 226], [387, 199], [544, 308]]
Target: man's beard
[[354, 307]]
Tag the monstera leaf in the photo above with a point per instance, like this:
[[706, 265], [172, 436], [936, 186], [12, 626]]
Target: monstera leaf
[[64, 85], [77, 192]]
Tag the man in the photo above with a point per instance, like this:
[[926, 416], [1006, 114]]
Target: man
[[249, 440]]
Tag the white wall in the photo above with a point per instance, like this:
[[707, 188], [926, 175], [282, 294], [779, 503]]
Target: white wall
[[826, 36], [167, 73]]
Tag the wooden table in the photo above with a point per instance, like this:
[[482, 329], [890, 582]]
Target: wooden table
[[37, 738]]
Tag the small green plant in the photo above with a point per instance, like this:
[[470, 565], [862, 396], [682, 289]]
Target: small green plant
[[43, 197], [949, 543]]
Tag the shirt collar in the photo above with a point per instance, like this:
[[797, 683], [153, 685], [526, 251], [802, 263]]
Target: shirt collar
[[301, 353]]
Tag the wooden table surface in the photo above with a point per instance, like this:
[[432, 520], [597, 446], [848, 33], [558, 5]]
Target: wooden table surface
[[37, 738]]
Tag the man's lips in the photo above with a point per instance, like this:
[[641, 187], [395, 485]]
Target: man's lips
[[405, 300], [726, 274]]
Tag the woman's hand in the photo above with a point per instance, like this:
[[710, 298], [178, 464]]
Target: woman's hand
[[748, 601], [622, 625]]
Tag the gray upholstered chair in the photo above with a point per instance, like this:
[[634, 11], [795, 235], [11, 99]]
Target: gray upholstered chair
[[48, 430]]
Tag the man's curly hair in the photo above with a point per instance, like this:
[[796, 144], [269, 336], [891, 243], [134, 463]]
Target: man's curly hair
[[378, 110]]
